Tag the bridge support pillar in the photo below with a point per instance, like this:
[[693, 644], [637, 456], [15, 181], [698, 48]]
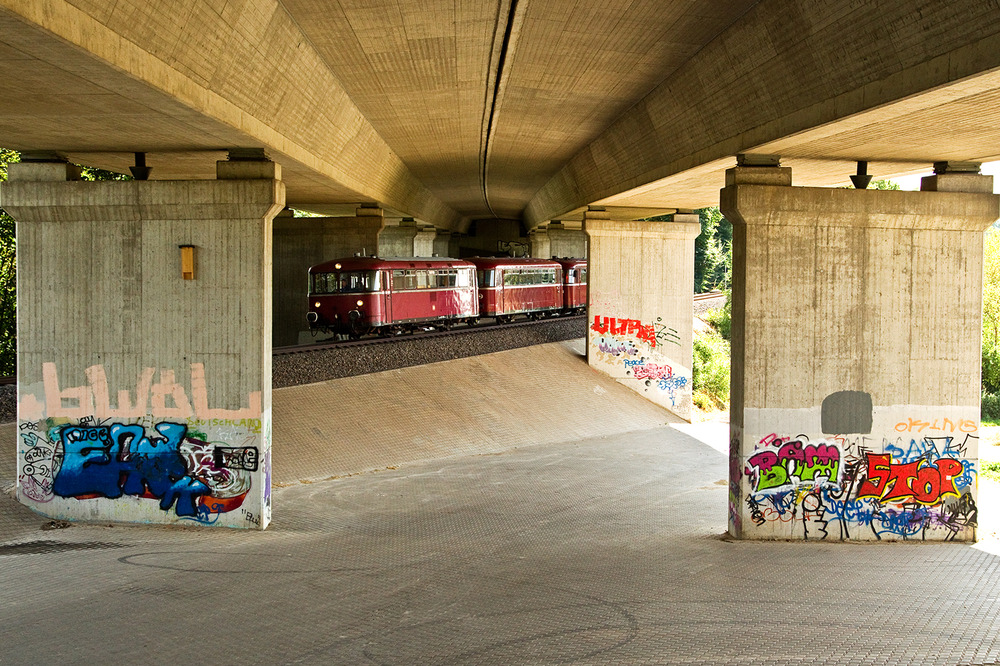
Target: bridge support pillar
[[538, 240], [640, 290], [424, 241], [856, 337], [144, 345], [565, 242], [398, 240], [301, 242], [445, 244]]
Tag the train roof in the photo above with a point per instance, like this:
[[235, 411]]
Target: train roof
[[388, 263], [570, 262], [513, 262]]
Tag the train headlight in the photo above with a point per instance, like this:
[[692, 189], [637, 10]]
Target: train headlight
[[337, 266], [360, 303], [316, 304]]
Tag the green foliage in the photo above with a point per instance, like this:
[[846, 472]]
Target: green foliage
[[990, 410], [94, 174], [991, 326], [8, 278], [991, 470], [883, 185], [721, 319], [713, 257], [710, 380]]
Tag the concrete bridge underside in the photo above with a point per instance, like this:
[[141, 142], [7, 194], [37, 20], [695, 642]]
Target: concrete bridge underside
[[449, 112]]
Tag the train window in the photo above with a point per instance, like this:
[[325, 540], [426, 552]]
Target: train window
[[319, 283], [403, 280], [446, 278], [486, 278], [583, 276], [464, 278], [347, 282]]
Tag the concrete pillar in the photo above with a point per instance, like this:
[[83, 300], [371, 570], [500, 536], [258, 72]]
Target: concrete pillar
[[423, 242], [442, 244], [855, 357], [565, 242], [640, 304], [397, 240], [144, 360], [301, 242], [538, 239]]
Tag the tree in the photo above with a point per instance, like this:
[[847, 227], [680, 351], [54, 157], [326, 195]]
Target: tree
[[713, 256], [8, 278]]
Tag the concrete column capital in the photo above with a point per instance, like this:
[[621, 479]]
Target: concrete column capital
[[247, 170], [643, 229], [759, 175], [754, 204], [42, 171]]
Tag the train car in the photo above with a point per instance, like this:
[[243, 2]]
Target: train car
[[574, 284], [359, 295], [509, 287]]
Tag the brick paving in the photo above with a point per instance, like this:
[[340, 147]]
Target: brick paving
[[605, 549]]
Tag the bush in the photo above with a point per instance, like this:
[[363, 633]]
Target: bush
[[721, 319], [990, 410], [710, 374]]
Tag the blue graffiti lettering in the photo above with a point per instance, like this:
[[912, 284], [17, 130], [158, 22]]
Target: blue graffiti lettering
[[116, 460]]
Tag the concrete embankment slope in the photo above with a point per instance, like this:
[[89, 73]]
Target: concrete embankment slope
[[480, 405]]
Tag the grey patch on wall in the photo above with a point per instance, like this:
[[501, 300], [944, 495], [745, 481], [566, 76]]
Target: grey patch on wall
[[847, 413]]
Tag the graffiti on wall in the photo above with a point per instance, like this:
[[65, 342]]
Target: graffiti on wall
[[165, 398], [632, 345], [625, 327], [789, 465], [909, 486], [194, 478], [161, 442]]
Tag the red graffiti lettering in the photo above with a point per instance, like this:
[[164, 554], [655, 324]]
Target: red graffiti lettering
[[614, 326], [920, 481]]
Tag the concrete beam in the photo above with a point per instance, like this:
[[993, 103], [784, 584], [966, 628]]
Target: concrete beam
[[807, 80], [197, 77]]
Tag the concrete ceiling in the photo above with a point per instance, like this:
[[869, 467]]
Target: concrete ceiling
[[451, 110]]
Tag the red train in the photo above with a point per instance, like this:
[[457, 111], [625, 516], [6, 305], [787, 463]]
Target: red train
[[360, 295]]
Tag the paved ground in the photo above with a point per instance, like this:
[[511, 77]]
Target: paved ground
[[603, 549]]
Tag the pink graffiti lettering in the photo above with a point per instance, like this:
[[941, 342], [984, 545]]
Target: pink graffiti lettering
[[793, 465], [653, 371], [164, 399]]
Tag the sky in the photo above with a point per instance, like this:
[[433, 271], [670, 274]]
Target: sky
[[913, 182]]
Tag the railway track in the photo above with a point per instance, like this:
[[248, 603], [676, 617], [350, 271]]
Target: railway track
[[425, 335], [458, 330]]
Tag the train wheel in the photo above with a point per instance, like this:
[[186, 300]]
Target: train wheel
[[356, 326]]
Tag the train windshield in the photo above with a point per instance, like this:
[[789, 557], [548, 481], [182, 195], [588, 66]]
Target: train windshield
[[346, 282]]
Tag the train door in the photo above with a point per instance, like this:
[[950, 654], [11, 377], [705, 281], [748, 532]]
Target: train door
[[501, 290], [387, 296]]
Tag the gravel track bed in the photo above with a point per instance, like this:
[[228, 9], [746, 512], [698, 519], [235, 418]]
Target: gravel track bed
[[323, 364]]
